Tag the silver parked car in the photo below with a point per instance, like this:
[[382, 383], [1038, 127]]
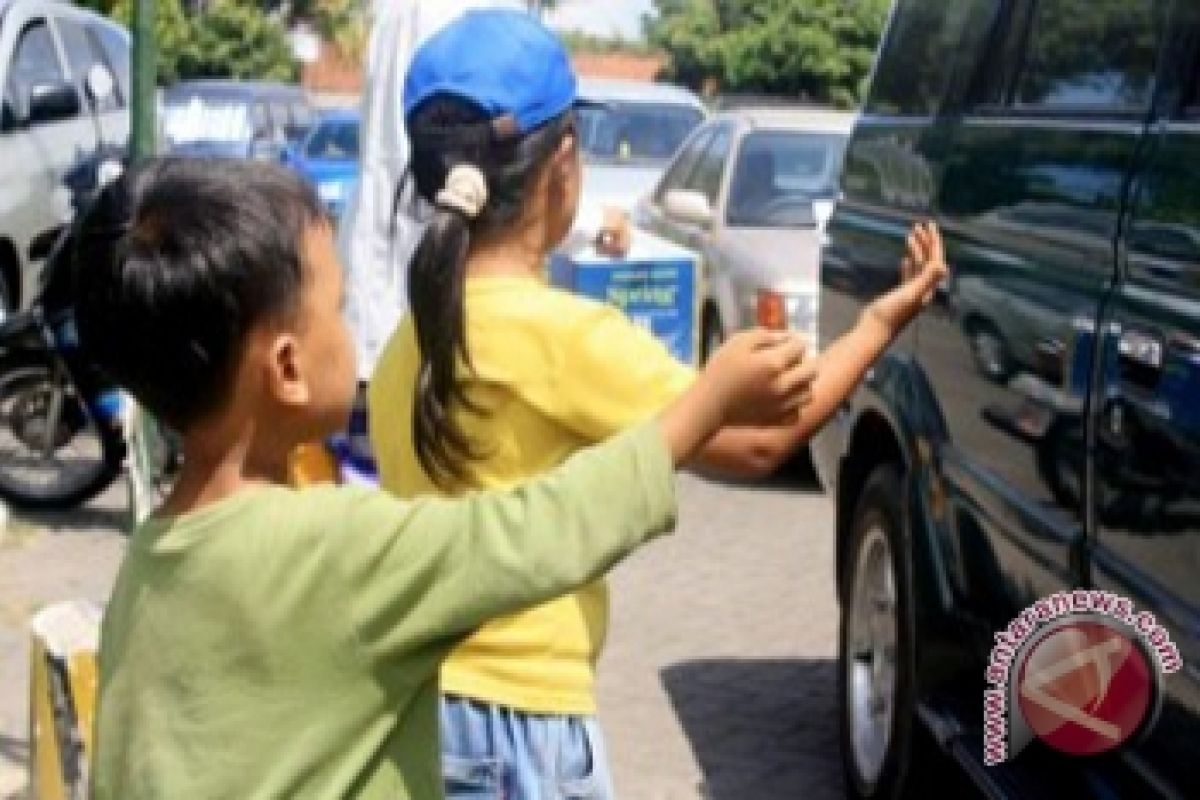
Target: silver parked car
[[750, 193]]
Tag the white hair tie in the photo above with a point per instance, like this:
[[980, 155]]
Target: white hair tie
[[465, 191]]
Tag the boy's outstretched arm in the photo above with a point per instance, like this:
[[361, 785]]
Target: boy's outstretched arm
[[421, 575], [749, 452]]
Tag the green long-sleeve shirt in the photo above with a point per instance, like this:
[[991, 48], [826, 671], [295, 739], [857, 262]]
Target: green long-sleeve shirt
[[286, 644]]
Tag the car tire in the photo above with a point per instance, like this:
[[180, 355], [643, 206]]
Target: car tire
[[883, 747]]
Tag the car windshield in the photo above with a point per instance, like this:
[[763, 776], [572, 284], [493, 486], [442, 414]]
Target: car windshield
[[334, 141], [780, 174], [635, 132]]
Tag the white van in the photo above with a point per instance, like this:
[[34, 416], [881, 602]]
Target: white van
[[46, 126]]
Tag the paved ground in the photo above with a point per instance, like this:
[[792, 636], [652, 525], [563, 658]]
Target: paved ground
[[718, 682]]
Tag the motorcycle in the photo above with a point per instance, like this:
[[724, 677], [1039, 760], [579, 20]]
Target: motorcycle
[[61, 432]]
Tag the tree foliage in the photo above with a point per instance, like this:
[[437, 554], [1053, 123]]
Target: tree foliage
[[229, 39], [815, 50], [237, 40]]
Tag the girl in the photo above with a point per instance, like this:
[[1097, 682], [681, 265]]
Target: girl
[[496, 377]]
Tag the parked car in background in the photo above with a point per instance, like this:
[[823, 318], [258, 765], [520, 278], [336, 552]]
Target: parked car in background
[[328, 157], [1038, 429], [234, 119], [629, 133], [749, 192], [47, 125]]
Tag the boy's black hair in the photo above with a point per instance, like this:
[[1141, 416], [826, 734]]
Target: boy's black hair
[[208, 249]]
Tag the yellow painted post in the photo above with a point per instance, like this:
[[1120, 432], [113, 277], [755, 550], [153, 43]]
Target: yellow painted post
[[47, 780], [84, 676]]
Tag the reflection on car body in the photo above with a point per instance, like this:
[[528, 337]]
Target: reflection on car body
[[1039, 430]]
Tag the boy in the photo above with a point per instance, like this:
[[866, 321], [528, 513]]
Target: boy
[[269, 642]]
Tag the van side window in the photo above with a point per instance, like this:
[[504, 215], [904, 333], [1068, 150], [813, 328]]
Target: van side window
[[116, 53], [82, 53], [34, 64], [1090, 54], [912, 75]]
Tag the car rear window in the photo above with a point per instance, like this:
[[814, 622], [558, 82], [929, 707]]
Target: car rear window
[[626, 132]]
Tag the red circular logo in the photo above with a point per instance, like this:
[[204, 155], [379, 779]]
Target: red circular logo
[[1085, 688]]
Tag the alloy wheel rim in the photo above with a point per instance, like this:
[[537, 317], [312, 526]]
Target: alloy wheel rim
[[872, 663]]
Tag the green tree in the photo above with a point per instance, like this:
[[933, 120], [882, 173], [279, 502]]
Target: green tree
[[814, 50], [231, 39], [172, 30], [237, 40]]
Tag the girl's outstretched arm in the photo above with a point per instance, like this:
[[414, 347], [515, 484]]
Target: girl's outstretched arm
[[757, 452]]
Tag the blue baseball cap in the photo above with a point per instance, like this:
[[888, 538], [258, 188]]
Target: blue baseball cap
[[504, 61]]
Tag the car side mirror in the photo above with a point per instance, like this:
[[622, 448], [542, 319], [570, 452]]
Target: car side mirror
[[691, 208], [50, 102]]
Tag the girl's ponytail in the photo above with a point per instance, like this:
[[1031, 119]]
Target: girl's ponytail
[[476, 178]]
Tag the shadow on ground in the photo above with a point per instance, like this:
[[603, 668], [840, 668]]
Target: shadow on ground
[[760, 730], [14, 755], [13, 751], [86, 517]]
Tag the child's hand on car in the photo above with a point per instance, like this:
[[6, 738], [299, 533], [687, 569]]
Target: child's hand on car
[[922, 271]]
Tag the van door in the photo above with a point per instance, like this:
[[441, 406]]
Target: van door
[[38, 152], [1031, 198], [1147, 422]]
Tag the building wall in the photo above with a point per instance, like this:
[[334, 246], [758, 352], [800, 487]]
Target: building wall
[[619, 65], [334, 74]]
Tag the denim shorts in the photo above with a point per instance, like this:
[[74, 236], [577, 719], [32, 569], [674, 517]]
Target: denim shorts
[[496, 753]]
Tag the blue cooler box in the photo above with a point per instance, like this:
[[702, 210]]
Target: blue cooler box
[[656, 285]]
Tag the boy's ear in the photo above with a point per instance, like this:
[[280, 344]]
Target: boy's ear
[[287, 380]]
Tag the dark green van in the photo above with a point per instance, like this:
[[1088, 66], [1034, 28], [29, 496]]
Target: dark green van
[[1038, 431]]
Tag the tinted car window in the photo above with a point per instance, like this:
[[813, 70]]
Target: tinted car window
[[1089, 54], [82, 53], [635, 132], [779, 174], [911, 77], [706, 178], [34, 63]]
